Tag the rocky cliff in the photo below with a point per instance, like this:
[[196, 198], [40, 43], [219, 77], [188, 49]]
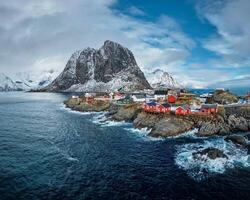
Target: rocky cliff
[[112, 67]]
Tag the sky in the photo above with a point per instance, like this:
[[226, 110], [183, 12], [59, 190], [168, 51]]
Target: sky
[[199, 42]]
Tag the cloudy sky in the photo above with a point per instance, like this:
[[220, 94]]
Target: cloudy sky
[[199, 42]]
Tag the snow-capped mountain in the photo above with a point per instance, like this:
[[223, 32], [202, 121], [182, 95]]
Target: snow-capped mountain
[[34, 80], [112, 67], [6, 83], [161, 79], [25, 81]]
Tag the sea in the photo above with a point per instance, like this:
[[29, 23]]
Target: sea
[[50, 152]]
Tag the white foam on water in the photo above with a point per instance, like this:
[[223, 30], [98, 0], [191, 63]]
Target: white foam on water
[[144, 133], [104, 121], [72, 159], [189, 134], [203, 167], [63, 107]]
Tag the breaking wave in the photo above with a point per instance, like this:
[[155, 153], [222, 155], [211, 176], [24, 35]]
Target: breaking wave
[[205, 167], [144, 133], [104, 121], [189, 134], [63, 107]]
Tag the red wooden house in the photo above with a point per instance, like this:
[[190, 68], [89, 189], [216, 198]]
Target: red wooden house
[[183, 110], [164, 108], [150, 107], [209, 108], [171, 99]]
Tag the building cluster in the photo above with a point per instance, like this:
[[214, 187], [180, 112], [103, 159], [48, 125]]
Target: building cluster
[[155, 101]]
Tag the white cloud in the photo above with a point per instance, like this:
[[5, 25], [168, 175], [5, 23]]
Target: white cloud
[[43, 34], [136, 11], [231, 19]]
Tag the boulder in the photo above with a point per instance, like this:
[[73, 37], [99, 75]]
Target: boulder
[[211, 153], [248, 148], [127, 112], [171, 126], [144, 119], [247, 136], [208, 129], [237, 123], [236, 139]]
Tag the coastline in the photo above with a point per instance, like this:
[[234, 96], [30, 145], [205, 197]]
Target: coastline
[[229, 120]]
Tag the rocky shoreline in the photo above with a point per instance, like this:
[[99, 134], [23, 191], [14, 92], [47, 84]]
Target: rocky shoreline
[[231, 123], [225, 122]]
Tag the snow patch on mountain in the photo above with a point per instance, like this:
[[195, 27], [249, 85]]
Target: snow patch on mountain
[[161, 79], [6, 83], [25, 81]]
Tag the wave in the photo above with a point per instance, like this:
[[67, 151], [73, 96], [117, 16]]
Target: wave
[[144, 133], [189, 134], [63, 107], [104, 121], [200, 169]]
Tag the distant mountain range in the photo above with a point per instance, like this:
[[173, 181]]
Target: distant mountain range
[[25, 81], [112, 67]]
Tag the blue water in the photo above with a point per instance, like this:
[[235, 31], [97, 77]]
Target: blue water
[[48, 152], [236, 91]]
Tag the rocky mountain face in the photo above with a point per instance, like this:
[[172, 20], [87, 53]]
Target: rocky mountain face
[[25, 81], [112, 67], [162, 79]]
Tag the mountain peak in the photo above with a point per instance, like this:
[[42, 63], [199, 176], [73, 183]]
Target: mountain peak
[[106, 69], [162, 79]]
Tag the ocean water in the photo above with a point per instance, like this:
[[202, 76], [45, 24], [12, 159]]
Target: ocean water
[[50, 152]]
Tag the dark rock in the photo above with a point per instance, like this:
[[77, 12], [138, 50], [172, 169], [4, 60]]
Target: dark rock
[[171, 126], [247, 136], [127, 112], [144, 119], [236, 139], [237, 123], [248, 148], [210, 152], [208, 129]]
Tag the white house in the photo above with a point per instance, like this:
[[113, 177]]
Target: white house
[[139, 97]]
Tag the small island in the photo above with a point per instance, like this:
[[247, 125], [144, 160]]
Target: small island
[[168, 113]]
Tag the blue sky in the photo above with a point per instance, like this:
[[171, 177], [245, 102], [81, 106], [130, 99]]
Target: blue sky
[[199, 42]]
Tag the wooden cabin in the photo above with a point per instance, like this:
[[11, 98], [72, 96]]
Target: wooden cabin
[[150, 107], [209, 108], [172, 99], [163, 108], [183, 110]]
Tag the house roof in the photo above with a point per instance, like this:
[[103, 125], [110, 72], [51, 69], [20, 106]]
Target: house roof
[[139, 96], [161, 92], [152, 103], [166, 105], [208, 106]]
